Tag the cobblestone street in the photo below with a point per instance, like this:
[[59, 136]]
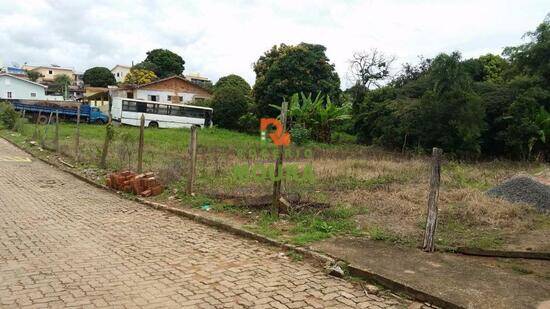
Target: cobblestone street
[[66, 243]]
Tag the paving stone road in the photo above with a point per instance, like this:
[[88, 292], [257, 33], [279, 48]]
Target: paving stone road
[[65, 243]]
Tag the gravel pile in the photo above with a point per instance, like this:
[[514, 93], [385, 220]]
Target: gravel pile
[[523, 189]]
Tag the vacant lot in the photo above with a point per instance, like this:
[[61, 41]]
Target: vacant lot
[[355, 190]]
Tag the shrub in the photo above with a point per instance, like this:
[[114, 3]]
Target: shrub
[[249, 123], [229, 105], [8, 116], [300, 134]]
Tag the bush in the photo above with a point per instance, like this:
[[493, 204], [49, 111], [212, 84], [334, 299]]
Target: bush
[[8, 116], [249, 123], [229, 105], [300, 135]]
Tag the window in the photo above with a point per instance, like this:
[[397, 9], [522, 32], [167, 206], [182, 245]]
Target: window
[[33, 94], [153, 98], [117, 74], [129, 106], [50, 72], [169, 98], [9, 94]]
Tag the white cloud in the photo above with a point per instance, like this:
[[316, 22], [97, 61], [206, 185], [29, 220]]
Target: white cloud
[[217, 38]]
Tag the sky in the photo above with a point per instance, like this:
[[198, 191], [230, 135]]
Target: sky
[[217, 38]]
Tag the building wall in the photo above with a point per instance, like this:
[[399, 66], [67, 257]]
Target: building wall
[[120, 73], [173, 87], [162, 96], [21, 89], [54, 72]]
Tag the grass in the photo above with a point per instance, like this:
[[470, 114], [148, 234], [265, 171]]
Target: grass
[[371, 192]]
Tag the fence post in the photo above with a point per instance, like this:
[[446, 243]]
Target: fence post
[[193, 158], [431, 220], [275, 206], [46, 130], [140, 149], [57, 148], [77, 139], [35, 136], [108, 136]]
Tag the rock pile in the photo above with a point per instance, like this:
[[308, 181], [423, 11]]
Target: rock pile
[[524, 189]]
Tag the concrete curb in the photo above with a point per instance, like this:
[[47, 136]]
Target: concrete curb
[[319, 257]]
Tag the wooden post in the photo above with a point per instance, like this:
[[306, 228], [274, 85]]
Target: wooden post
[[431, 221], [108, 136], [46, 130], [35, 136], [57, 148], [275, 206], [193, 159], [77, 138], [140, 149]]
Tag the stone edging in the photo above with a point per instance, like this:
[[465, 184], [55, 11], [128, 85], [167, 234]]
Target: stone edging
[[319, 257]]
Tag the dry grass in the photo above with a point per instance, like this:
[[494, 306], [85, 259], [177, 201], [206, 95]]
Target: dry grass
[[385, 193]]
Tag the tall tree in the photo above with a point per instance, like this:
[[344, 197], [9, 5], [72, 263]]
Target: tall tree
[[370, 68], [163, 62], [99, 77], [234, 81], [61, 84], [286, 69]]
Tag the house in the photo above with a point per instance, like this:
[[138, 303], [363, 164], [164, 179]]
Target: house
[[174, 89], [14, 87], [50, 72], [14, 71], [97, 96], [120, 72], [198, 79]]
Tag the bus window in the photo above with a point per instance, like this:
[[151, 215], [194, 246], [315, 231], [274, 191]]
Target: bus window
[[129, 106], [141, 107]]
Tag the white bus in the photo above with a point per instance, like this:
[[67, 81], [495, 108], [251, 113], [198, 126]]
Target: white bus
[[159, 114]]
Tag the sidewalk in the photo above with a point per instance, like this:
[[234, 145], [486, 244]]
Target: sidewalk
[[468, 281]]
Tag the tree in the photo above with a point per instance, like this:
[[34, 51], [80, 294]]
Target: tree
[[163, 62], [286, 69], [370, 68], [229, 104], [139, 76], [61, 83], [234, 81], [99, 77], [34, 75]]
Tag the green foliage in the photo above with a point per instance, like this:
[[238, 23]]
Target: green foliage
[[300, 134], [99, 77], [233, 81], [249, 123], [229, 105], [286, 69], [319, 116], [163, 62], [8, 116], [34, 75]]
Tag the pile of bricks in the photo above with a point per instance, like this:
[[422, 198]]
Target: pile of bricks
[[139, 184]]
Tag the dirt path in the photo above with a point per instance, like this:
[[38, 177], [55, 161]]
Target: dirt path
[[66, 243]]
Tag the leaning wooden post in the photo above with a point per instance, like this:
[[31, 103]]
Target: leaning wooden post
[[109, 133], [57, 131], [431, 221], [77, 138], [35, 136], [277, 173], [193, 159], [140, 149]]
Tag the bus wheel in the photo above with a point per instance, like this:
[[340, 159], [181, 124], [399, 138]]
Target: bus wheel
[[42, 119], [153, 124]]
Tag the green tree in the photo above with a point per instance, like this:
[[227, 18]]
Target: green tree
[[99, 77], [286, 69], [139, 76], [233, 81], [61, 83], [34, 75], [163, 62], [229, 104]]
